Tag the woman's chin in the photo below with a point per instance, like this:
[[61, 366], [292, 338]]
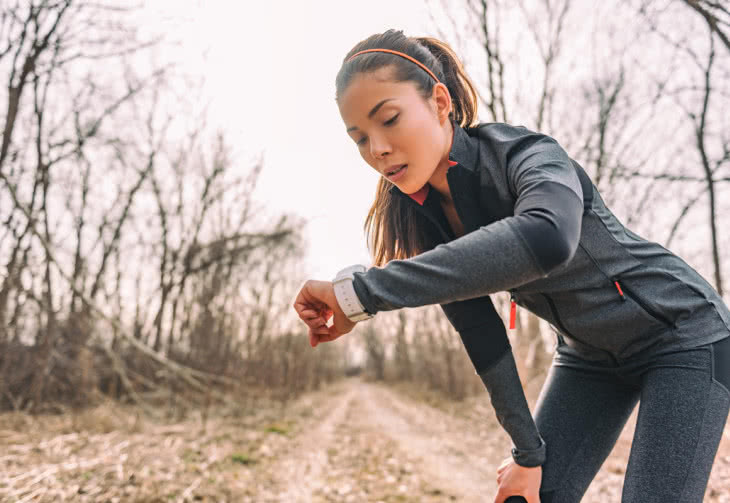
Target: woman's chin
[[406, 188], [410, 188], [407, 185]]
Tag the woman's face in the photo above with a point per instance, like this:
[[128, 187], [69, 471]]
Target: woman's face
[[393, 125]]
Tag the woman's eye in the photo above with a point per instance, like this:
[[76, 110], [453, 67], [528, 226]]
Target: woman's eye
[[391, 121]]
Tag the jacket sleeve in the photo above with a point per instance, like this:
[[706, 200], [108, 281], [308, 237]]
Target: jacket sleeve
[[541, 235], [485, 340]]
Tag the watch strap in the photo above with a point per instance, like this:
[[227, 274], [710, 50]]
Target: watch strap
[[347, 297]]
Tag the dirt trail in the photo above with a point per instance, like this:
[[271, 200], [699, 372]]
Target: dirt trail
[[364, 442], [453, 453], [374, 443], [369, 442], [352, 441], [302, 473], [378, 445]]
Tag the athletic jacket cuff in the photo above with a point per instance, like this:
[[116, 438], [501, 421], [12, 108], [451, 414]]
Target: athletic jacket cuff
[[361, 290], [530, 457]]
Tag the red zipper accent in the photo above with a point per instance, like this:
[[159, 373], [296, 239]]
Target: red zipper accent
[[512, 312], [620, 292]]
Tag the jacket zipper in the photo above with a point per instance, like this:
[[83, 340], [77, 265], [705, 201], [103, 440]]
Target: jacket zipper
[[554, 311], [456, 205], [512, 310], [651, 312], [447, 237]]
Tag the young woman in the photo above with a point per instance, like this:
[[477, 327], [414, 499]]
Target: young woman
[[463, 210]]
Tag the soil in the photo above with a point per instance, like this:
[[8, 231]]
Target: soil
[[354, 441]]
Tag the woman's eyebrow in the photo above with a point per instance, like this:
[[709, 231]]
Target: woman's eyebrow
[[372, 112]]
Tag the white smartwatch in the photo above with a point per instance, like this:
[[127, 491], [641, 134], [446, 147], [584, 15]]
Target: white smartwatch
[[346, 296]]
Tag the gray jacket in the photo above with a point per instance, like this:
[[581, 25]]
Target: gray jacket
[[537, 227]]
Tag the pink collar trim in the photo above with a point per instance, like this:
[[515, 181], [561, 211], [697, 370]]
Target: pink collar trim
[[420, 195]]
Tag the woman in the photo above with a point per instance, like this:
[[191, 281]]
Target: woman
[[463, 211]]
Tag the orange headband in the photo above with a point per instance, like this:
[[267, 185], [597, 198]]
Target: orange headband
[[399, 54]]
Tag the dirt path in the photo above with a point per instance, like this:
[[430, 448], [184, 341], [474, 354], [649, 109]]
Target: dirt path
[[353, 441], [378, 445]]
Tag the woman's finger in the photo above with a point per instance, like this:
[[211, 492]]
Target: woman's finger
[[328, 336], [321, 330], [324, 334], [308, 312], [319, 335], [312, 313], [504, 464], [310, 296], [315, 323]]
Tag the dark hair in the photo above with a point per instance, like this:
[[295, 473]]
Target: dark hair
[[394, 229]]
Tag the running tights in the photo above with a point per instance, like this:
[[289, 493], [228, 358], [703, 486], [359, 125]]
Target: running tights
[[683, 406]]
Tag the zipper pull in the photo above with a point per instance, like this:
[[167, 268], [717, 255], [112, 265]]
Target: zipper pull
[[618, 287], [512, 311]]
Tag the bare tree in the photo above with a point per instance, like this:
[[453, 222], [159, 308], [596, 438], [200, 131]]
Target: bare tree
[[131, 257], [699, 103], [549, 46], [402, 357], [717, 16]]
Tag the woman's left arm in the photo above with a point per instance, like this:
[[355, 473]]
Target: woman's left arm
[[541, 236]]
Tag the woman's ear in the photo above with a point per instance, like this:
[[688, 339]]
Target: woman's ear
[[442, 99]]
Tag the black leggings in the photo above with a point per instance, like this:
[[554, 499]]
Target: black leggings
[[684, 403]]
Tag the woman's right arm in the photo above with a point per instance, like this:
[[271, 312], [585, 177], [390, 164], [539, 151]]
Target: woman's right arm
[[485, 340]]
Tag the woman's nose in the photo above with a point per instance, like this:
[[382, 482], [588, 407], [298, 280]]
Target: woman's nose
[[379, 148]]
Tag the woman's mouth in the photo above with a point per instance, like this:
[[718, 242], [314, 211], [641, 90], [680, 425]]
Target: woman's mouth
[[398, 173]]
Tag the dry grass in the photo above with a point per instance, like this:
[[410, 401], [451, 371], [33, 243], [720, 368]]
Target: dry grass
[[111, 452], [351, 441]]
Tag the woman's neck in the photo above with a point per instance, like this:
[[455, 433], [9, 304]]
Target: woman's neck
[[438, 179]]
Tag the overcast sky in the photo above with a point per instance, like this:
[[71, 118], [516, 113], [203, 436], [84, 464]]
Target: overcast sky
[[270, 69]]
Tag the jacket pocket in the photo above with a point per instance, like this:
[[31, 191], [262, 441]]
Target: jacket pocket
[[603, 319], [627, 292]]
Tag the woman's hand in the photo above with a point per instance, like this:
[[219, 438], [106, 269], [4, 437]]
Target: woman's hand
[[516, 480], [315, 304]]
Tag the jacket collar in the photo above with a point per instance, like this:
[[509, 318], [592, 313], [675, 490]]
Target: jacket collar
[[464, 152]]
